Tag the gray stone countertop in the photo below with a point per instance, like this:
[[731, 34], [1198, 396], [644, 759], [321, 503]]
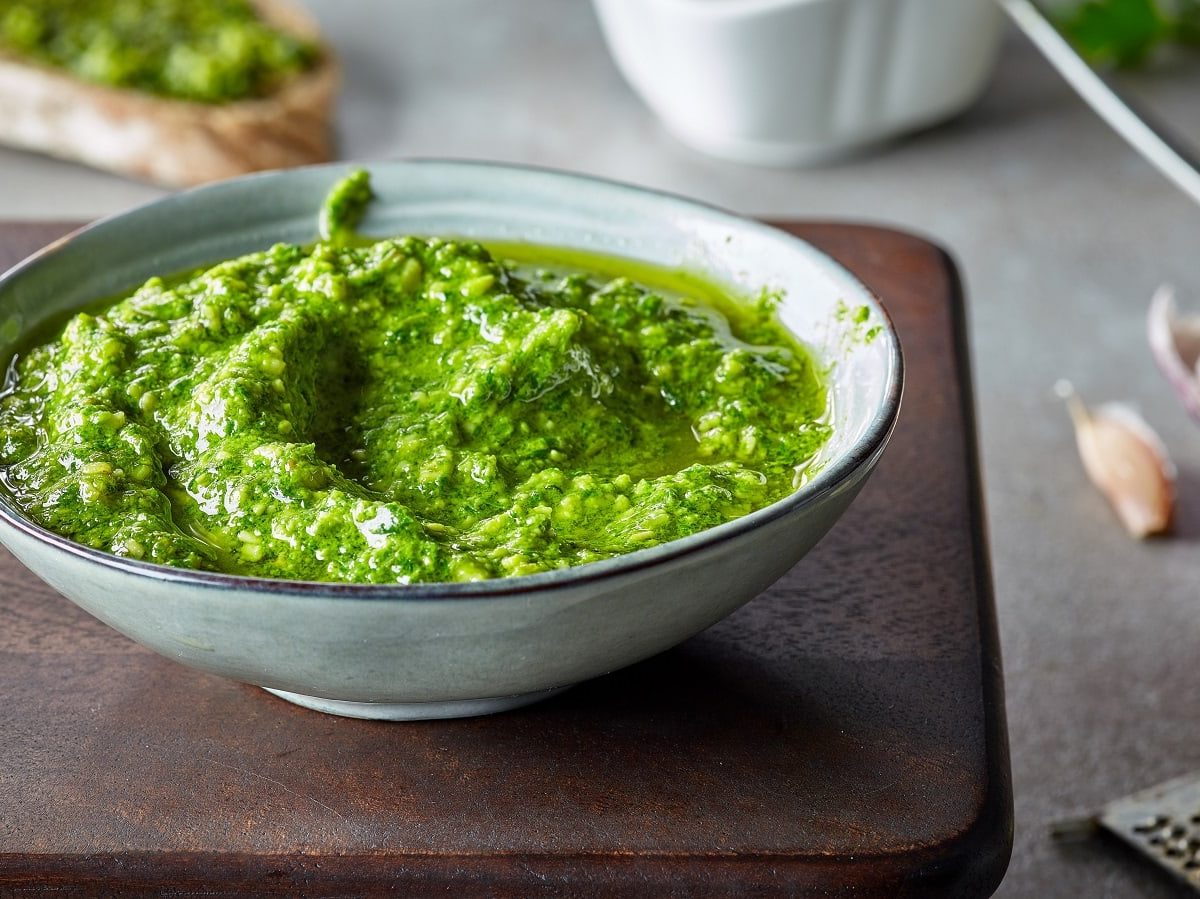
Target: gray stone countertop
[[1062, 234]]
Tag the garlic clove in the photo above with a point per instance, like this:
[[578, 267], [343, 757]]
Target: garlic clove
[[1175, 344], [1127, 461]]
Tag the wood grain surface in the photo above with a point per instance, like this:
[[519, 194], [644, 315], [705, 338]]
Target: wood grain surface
[[842, 735]]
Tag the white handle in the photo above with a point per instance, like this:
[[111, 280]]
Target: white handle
[[1158, 147]]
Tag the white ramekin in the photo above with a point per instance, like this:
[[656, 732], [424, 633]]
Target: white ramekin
[[780, 82]]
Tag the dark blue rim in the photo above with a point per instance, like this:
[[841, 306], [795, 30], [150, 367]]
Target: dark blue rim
[[840, 472]]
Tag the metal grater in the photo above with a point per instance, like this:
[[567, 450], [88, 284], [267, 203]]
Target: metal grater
[[1162, 822]]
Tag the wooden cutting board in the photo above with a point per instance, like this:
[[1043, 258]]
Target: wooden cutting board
[[842, 735]]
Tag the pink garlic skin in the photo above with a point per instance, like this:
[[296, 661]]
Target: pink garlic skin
[[1175, 344], [1127, 462]]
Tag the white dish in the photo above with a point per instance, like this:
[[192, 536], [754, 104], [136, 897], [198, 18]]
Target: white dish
[[441, 650], [778, 82]]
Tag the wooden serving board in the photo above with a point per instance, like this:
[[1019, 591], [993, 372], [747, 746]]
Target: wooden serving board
[[843, 735]]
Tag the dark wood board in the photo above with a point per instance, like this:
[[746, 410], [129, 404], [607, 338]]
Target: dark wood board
[[842, 735]]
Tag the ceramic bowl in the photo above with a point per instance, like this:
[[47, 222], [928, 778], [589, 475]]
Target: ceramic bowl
[[781, 82], [442, 650]]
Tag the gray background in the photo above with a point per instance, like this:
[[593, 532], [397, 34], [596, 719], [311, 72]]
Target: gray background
[[1062, 234]]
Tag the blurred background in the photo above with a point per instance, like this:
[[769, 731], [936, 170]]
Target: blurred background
[[1062, 233]]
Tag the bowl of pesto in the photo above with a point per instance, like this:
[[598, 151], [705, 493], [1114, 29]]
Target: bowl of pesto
[[432, 439]]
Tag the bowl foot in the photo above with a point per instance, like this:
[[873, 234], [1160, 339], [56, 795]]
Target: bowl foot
[[417, 711]]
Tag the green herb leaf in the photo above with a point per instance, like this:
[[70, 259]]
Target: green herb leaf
[[1118, 32], [1187, 22]]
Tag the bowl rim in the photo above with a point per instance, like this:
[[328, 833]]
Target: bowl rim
[[862, 453]]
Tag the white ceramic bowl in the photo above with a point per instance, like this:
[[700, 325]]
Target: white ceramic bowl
[[440, 650], [778, 82]]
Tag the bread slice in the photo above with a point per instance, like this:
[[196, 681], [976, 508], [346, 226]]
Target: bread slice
[[174, 142]]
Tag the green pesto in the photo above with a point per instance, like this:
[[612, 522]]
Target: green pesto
[[344, 208], [858, 324], [213, 51], [407, 410]]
